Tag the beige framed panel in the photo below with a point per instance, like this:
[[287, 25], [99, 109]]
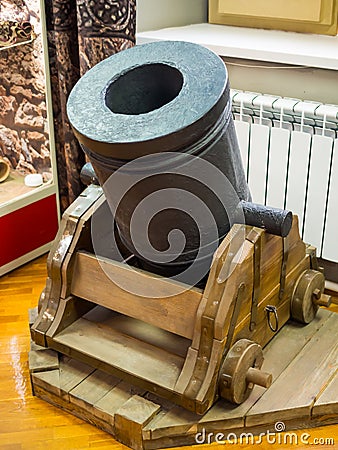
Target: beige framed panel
[[307, 16]]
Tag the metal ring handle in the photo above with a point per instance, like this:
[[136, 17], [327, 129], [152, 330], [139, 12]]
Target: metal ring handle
[[270, 309]]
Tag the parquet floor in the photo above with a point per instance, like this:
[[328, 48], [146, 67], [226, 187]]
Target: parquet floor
[[27, 422]]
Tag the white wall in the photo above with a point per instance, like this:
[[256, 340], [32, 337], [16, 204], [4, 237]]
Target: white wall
[[305, 83], [155, 14], [297, 82]]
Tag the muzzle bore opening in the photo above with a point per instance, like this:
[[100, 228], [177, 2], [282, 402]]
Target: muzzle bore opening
[[144, 89]]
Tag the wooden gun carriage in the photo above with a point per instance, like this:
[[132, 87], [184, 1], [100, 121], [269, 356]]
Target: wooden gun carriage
[[188, 345], [129, 320]]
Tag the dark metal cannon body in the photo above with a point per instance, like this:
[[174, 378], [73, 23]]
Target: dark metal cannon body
[[166, 108]]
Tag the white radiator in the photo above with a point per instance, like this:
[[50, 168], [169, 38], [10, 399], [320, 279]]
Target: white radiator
[[290, 155]]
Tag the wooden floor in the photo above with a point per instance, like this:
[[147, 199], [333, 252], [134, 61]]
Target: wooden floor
[[29, 423]]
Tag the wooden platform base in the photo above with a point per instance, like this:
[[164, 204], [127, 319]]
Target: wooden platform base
[[302, 359]]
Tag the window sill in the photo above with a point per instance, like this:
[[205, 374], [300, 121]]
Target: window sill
[[256, 44]]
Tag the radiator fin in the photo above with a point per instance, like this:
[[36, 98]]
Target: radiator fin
[[289, 149], [330, 241], [298, 172], [243, 134], [258, 161], [278, 166], [318, 182]]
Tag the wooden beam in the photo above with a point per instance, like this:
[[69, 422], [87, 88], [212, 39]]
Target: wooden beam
[[131, 418], [169, 309]]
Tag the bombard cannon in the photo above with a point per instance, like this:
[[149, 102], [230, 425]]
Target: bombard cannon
[[164, 273]]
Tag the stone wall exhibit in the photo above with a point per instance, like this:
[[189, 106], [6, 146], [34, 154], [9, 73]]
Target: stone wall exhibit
[[24, 136]]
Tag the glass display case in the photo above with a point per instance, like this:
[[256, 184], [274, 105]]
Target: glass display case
[[28, 183]]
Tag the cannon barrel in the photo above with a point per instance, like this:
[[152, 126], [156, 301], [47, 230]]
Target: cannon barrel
[[274, 220], [156, 123]]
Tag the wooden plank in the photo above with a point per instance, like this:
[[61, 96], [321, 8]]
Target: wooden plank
[[278, 354], [207, 366], [42, 360], [69, 310], [179, 310], [81, 239], [61, 381], [77, 411], [165, 404], [288, 343], [243, 273], [123, 354], [48, 380], [222, 257], [262, 333], [92, 389], [185, 375], [176, 421], [72, 372], [56, 258], [197, 364], [106, 407], [32, 315], [35, 347], [178, 426], [38, 414], [327, 403], [173, 306], [209, 386], [50, 295], [293, 394], [269, 276], [270, 266], [140, 330], [131, 418], [207, 436]]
